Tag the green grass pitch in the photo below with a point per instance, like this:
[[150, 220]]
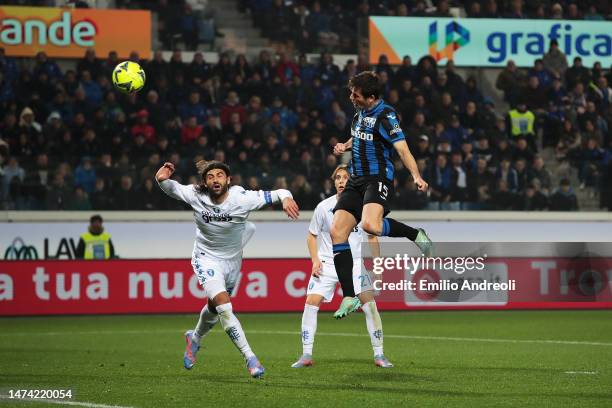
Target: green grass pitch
[[472, 359]]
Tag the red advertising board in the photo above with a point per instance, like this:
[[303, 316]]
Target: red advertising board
[[265, 285]]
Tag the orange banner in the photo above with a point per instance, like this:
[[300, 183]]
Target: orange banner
[[68, 33]]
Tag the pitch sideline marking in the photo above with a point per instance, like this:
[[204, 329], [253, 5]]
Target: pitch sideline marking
[[63, 402], [292, 333], [581, 372]]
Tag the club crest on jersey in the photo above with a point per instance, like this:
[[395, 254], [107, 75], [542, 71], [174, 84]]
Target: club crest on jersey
[[368, 122]]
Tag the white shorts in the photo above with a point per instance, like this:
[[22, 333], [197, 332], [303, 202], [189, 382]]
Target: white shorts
[[216, 275], [325, 284]]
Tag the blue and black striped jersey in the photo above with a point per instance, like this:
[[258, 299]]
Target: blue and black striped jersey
[[374, 132]]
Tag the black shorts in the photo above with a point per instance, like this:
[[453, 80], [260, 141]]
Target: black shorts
[[362, 190]]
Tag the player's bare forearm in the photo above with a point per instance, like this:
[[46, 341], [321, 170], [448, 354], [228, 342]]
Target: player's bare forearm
[[408, 160], [311, 241]]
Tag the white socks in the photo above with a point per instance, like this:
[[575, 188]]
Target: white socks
[[374, 325], [232, 327], [206, 322], [309, 327]]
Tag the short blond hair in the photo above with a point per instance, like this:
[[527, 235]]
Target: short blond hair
[[340, 167]]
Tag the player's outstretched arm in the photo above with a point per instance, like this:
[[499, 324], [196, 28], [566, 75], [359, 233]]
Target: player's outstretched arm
[[171, 187], [408, 160], [340, 148], [254, 200]]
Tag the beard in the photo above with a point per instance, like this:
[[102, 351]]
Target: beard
[[216, 193]]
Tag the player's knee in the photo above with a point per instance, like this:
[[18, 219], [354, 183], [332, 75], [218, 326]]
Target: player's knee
[[366, 297], [372, 227], [338, 234], [313, 300]]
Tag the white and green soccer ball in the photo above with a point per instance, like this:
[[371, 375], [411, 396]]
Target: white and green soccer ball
[[129, 77]]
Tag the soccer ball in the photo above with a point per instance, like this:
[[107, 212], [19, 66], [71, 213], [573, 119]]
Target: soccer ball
[[128, 77]]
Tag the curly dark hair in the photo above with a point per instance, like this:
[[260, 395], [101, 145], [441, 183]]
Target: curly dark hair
[[204, 167]]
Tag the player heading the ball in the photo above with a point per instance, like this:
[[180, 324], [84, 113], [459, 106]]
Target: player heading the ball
[[375, 134]]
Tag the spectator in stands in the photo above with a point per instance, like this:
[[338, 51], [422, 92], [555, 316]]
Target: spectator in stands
[[189, 27], [503, 199], [556, 11], [46, 66], [535, 96], [85, 175], [232, 105], [590, 159], [510, 81], [515, 9], [193, 108], [539, 172], [90, 63], [522, 150], [577, 73], [191, 130], [480, 183], [318, 25], [534, 199], [459, 184], [78, 201], [58, 195], [124, 195], [142, 127], [508, 175], [149, 196], [564, 199], [555, 60], [440, 182]]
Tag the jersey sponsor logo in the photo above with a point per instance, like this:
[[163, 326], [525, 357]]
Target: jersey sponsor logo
[[362, 135], [368, 122], [212, 217], [396, 129]]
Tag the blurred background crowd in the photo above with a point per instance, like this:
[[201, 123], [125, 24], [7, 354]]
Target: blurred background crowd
[[69, 140]]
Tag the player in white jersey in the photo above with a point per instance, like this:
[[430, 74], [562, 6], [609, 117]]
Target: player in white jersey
[[324, 279], [220, 214]]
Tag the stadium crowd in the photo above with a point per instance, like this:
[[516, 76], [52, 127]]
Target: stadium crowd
[[70, 141], [335, 25]]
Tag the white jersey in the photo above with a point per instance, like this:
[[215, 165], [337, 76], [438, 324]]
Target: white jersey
[[320, 225], [220, 227]]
